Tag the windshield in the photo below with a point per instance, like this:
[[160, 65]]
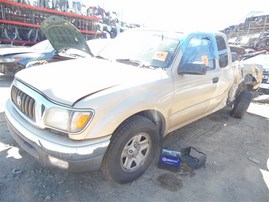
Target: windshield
[[42, 47], [152, 48]]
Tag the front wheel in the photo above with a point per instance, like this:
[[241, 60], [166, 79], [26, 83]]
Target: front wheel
[[241, 104], [132, 149]]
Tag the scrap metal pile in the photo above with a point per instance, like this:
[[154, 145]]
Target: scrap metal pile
[[252, 33], [20, 23]]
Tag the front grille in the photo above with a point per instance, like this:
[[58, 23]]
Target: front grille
[[24, 102]]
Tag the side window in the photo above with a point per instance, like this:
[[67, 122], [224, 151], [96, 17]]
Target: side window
[[199, 50], [222, 49]]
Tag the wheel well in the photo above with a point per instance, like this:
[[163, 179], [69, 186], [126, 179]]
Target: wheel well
[[153, 115], [250, 81], [157, 118], [246, 85]]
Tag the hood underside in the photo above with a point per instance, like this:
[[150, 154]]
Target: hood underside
[[63, 35]]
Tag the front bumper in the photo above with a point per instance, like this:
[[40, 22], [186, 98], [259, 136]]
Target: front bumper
[[9, 70], [53, 149]]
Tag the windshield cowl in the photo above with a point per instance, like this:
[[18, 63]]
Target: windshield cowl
[[134, 62]]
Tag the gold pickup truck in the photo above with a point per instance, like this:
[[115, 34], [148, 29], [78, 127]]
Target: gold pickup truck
[[110, 110]]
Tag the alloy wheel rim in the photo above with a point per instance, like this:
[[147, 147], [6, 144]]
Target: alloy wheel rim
[[135, 152]]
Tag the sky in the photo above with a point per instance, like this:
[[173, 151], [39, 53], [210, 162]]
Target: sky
[[188, 14]]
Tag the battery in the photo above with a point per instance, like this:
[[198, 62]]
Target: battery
[[169, 159]]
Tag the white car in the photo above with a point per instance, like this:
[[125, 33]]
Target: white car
[[261, 61]]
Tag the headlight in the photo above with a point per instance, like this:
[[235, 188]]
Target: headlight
[[8, 60], [67, 120]]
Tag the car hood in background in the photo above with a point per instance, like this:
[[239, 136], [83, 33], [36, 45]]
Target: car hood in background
[[13, 50], [97, 45], [83, 77], [26, 57], [63, 35], [262, 60]]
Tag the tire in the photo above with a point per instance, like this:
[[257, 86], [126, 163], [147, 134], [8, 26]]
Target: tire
[[131, 151], [32, 35], [11, 32], [241, 104]]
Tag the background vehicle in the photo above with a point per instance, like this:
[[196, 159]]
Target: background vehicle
[[38, 54], [20, 58], [9, 49], [110, 111], [262, 61], [97, 45], [14, 59]]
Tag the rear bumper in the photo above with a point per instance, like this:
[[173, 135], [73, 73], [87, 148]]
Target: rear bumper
[[60, 151]]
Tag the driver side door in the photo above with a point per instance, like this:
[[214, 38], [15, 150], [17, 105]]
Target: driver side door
[[193, 93]]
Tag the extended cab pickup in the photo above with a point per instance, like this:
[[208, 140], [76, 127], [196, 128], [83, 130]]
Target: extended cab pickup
[[110, 111]]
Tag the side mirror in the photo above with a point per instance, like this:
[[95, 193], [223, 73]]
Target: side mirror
[[193, 68]]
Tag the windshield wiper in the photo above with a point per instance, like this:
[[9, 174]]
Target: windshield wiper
[[135, 63], [101, 57]]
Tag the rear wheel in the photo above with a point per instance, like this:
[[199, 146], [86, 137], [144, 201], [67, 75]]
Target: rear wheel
[[131, 151], [241, 104]]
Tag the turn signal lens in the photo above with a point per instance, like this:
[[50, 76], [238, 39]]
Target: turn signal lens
[[79, 121], [82, 120]]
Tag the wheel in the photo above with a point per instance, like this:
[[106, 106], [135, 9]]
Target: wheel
[[23, 32], [11, 32], [241, 104], [131, 151], [32, 35]]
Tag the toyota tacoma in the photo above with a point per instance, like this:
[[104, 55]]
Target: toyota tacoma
[[110, 111]]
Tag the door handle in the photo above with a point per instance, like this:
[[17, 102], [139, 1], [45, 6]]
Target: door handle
[[216, 80]]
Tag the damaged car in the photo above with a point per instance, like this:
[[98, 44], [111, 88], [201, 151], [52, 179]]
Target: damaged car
[[110, 112], [14, 61], [47, 51], [260, 60]]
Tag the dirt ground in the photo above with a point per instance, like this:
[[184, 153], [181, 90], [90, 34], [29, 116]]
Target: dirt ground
[[236, 168]]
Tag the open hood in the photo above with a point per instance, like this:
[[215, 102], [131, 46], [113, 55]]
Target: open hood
[[63, 35]]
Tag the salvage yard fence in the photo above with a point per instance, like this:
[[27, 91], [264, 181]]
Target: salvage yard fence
[[20, 23]]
